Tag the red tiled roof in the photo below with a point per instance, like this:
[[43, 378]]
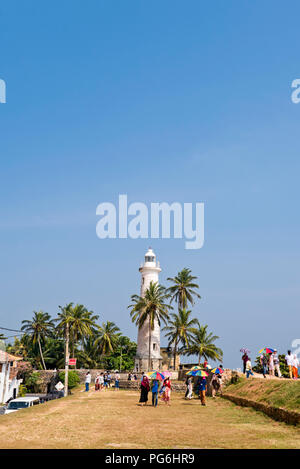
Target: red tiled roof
[[4, 357]]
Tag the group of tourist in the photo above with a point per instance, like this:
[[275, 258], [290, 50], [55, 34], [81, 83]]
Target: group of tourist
[[158, 388], [102, 381], [270, 363]]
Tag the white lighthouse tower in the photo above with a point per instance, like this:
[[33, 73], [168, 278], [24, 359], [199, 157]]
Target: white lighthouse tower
[[150, 270]]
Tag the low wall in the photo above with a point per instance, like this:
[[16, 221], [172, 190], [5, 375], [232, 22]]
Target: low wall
[[276, 413]]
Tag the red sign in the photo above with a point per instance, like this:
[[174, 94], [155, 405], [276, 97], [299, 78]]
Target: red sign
[[72, 361]]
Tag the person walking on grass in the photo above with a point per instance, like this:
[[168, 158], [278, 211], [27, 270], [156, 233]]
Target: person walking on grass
[[249, 368], [101, 381], [145, 388], [295, 366], [167, 392], [187, 387], [97, 382], [271, 364], [244, 360], [276, 364], [117, 381], [289, 361], [154, 390], [202, 390], [264, 363], [190, 388], [88, 379]]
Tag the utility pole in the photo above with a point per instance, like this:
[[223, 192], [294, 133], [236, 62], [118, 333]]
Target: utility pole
[[67, 358], [121, 359]]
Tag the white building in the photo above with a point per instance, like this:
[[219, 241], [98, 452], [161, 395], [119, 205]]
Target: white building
[[150, 270], [9, 384]]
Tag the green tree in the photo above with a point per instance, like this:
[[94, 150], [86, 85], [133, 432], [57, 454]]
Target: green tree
[[107, 337], [183, 290], [73, 378], [152, 307], [122, 358], [180, 329], [39, 328], [81, 324], [202, 344], [89, 356]]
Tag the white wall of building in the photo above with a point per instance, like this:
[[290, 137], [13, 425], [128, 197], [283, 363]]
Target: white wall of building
[[9, 388]]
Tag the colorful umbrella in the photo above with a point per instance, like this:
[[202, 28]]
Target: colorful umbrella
[[217, 371], [266, 350], [156, 375], [245, 350], [167, 374], [197, 367], [197, 373]]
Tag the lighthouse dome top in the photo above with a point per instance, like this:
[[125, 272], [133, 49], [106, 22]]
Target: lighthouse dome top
[[150, 256]]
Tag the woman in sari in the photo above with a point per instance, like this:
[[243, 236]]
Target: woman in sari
[[145, 387], [167, 391]]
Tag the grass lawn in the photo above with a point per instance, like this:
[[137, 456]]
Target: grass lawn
[[283, 393], [114, 420]]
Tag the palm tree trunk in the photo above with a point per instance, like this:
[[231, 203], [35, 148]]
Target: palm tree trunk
[[175, 353], [67, 356], [41, 353], [149, 360]]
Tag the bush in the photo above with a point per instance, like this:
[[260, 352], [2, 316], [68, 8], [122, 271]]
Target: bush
[[33, 382], [22, 390], [73, 378]]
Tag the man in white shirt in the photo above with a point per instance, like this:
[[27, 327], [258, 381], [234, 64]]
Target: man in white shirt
[[289, 361], [88, 378]]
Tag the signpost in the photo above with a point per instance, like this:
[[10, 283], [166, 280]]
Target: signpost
[[72, 361]]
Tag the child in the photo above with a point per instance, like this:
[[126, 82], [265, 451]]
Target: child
[[249, 368]]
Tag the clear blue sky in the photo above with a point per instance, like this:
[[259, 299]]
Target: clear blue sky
[[163, 101]]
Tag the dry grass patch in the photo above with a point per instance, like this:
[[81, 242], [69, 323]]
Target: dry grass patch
[[114, 420]]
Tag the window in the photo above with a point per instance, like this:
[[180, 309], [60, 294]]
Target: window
[[154, 346], [149, 258]]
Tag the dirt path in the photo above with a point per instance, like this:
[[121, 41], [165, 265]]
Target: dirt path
[[114, 420]]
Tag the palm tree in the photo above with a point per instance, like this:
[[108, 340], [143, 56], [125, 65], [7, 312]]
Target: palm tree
[[180, 329], [107, 338], [81, 324], [202, 344], [40, 327], [89, 355], [183, 288], [2, 337], [152, 307]]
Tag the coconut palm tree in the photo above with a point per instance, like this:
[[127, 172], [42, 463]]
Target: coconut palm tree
[[40, 327], [89, 355], [202, 344], [81, 324], [183, 288], [179, 329], [152, 307], [107, 337]]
